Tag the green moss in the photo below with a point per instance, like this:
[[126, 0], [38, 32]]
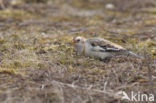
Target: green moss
[[7, 70], [17, 14], [36, 1], [5, 47], [17, 64], [65, 59], [19, 45], [2, 40], [86, 4], [11, 71]]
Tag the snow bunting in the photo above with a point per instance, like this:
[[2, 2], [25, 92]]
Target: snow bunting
[[99, 48]]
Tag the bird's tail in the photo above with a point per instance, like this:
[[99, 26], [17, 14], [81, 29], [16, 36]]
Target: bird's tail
[[133, 54]]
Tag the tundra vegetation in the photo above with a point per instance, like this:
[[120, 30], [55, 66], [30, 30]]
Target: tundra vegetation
[[37, 62]]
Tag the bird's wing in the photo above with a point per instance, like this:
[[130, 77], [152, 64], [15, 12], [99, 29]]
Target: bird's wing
[[103, 45]]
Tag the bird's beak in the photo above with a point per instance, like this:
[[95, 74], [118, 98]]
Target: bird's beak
[[73, 42]]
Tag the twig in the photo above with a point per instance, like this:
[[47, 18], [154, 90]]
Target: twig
[[151, 89], [88, 89]]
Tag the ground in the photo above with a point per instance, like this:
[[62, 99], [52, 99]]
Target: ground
[[38, 64]]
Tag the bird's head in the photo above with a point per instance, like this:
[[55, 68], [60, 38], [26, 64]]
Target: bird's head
[[78, 40], [78, 44]]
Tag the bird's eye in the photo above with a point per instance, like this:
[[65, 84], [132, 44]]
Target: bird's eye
[[78, 40]]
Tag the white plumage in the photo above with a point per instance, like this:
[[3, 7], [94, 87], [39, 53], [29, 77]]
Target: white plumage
[[99, 48]]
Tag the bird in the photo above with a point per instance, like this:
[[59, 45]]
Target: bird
[[99, 48]]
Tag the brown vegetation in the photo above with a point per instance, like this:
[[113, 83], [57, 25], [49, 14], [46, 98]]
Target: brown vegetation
[[38, 65]]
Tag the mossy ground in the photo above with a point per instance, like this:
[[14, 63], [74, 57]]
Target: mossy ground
[[37, 62]]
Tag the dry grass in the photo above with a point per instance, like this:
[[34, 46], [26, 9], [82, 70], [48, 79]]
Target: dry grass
[[37, 62]]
